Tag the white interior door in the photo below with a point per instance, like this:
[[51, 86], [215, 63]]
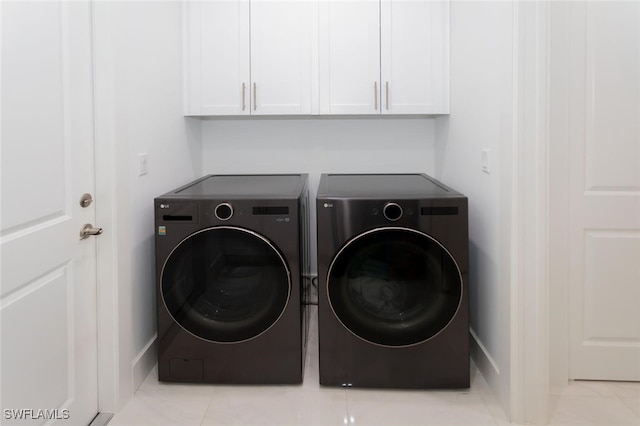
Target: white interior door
[[604, 191], [48, 276]]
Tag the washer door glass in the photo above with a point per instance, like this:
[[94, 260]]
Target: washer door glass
[[225, 284], [394, 286]]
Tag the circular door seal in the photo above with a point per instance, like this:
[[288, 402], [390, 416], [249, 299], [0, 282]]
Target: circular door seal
[[225, 284], [394, 286]]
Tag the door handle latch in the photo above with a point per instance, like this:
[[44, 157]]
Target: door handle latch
[[86, 200], [88, 230]]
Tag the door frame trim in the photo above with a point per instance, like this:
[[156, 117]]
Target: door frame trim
[[530, 222], [109, 396], [559, 218]]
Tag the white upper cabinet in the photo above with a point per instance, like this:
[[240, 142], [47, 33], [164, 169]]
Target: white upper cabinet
[[289, 57], [384, 56], [415, 57], [217, 76], [349, 57], [280, 57], [248, 57]]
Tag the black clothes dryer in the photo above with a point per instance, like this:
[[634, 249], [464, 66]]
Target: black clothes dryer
[[392, 274], [231, 257]]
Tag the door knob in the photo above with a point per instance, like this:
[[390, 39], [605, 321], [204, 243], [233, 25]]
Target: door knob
[[88, 230]]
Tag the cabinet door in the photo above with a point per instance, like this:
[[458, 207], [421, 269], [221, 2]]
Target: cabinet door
[[280, 57], [349, 57], [415, 56], [217, 58]]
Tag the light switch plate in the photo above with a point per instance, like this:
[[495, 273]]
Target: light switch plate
[[485, 160], [143, 164]]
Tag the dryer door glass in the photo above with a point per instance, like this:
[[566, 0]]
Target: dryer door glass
[[394, 286], [225, 284]]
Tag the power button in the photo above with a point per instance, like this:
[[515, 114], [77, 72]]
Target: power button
[[224, 211], [392, 211]]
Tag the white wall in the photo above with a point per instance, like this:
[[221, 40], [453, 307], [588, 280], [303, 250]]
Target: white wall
[[318, 145], [139, 84], [482, 118]]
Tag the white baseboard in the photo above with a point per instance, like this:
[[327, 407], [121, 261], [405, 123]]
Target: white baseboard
[[484, 361], [143, 363]]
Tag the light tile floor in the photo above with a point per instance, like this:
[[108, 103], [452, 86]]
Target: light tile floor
[[162, 404], [597, 403]]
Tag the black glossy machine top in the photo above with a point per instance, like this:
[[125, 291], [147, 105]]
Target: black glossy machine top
[[382, 186], [243, 186]]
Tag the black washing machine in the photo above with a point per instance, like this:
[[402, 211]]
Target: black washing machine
[[231, 260], [393, 282]]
